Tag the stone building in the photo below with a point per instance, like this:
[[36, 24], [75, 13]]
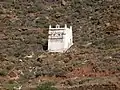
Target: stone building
[[60, 38]]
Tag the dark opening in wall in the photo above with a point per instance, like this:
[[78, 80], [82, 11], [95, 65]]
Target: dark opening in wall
[[45, 46]]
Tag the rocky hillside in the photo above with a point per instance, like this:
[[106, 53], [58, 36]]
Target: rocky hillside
[[94, 57]]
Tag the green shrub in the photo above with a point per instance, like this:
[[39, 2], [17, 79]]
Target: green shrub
[[46, 86], [11, 86], [3, 73]]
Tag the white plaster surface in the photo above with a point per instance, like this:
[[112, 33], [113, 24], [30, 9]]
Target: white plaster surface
[[59, 39]]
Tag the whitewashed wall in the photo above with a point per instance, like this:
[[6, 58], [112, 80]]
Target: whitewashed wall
[[59, 39]]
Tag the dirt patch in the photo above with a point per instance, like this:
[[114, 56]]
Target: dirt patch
[[88, 71]]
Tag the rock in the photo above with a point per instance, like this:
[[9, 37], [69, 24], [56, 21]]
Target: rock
[[18, 88], [42, 56], [20, 60], [20, 72], [107, 24], [87, 44], [108, 57], [29, 56], [63, 2]]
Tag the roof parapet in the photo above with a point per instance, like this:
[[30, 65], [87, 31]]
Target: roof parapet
[[58, 27]]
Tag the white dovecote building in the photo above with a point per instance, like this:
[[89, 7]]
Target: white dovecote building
[[59, 39]]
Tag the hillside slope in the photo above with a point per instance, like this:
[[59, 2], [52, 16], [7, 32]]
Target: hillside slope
[[94, 59]]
